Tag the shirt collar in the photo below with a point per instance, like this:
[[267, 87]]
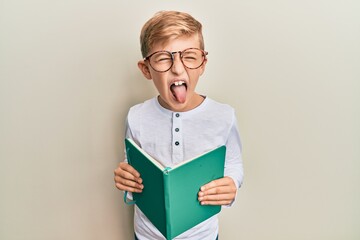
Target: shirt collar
[[169, 113]]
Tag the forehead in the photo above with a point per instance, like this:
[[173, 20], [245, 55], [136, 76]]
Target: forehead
[[177, 44]]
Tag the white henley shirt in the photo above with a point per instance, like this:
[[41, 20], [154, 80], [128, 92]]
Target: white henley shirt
[[173, 137]]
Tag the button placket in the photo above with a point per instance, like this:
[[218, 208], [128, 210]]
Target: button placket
[[177, 138]]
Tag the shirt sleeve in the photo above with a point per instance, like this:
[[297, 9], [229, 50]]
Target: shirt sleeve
[[128, 134], [234, 163]]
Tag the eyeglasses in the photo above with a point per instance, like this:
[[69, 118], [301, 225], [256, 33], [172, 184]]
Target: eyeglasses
[[162, 61]]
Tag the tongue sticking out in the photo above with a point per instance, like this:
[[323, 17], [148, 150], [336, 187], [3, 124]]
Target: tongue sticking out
[[179, 92]]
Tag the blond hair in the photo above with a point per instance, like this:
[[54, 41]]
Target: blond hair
[[168, 25]]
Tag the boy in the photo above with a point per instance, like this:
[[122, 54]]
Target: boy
[[179, 123]]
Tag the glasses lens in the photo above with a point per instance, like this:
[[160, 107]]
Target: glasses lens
[[161, 61], [193, 58]]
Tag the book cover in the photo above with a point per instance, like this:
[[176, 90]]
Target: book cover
[[169, 198]]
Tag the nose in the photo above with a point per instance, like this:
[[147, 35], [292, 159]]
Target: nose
[[177, 67]]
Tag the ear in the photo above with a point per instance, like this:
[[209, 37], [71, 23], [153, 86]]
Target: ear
[[202, 68], [144, 68]]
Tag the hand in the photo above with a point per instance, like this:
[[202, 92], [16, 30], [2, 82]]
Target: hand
[[127, 178], [218, 192]]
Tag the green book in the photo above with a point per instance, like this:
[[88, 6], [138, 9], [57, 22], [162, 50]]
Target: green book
[[170, 195]]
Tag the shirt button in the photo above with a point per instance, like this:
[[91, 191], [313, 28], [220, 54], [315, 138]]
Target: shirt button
[[177, 129], [177, 115], [177, 143]]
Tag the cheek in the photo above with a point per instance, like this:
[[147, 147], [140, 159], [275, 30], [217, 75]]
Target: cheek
[[160, 83], [195, 76]]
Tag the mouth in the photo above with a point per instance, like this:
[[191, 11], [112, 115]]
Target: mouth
[[179, 89]]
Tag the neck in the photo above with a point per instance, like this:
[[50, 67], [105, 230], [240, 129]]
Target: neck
[[195, 102]]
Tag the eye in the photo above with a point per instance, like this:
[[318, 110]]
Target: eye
[[162, 58], [191, 56]]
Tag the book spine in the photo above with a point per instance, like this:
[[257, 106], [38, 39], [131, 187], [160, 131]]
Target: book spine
[[167, 203]]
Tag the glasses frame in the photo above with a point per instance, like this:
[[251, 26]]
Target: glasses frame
[[204, 54]]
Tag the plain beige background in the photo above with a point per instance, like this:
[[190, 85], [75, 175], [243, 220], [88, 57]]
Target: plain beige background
[[68, 75]]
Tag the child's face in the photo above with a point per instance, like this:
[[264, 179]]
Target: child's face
[[176, 87]]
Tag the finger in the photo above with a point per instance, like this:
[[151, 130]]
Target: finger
[[128, 182], [127, 188], [217, 197], [127, 175], [220, 199], [222, 202], [126, 171], [124, 166], [218, 190], [225, 181], [209, 185], [128, 168]]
